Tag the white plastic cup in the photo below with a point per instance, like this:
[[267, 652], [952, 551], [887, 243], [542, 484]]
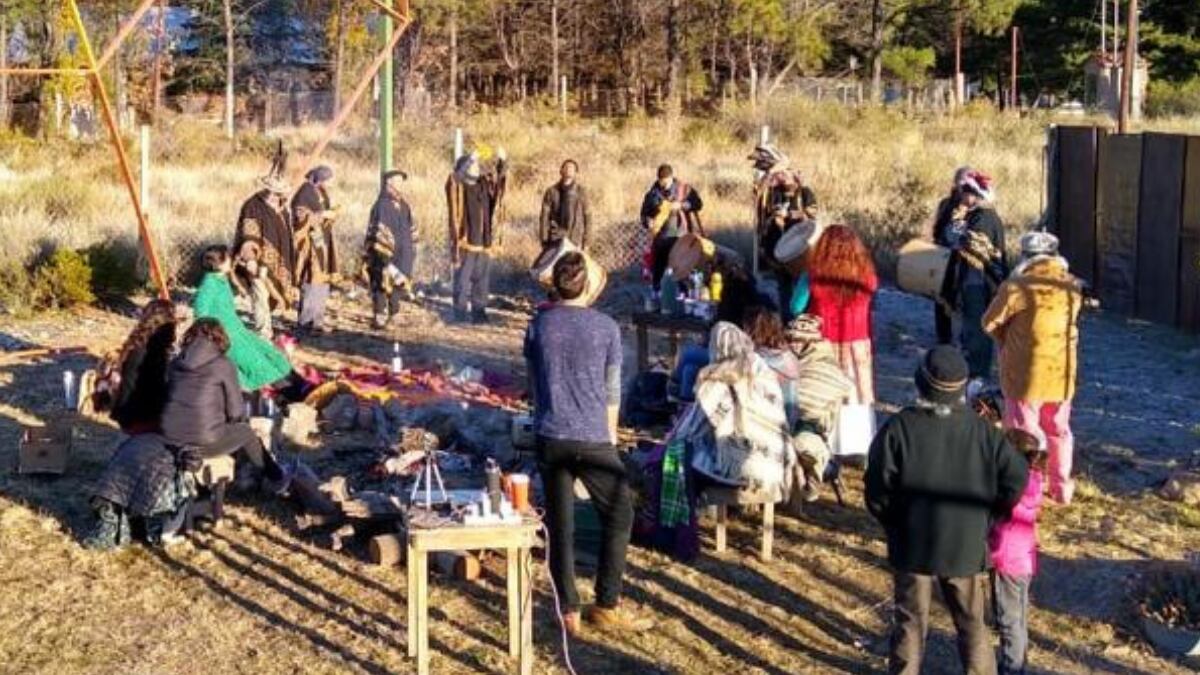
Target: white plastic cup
[[69, 393]]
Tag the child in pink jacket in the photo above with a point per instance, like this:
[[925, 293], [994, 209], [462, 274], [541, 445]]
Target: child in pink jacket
[[1012, 545]]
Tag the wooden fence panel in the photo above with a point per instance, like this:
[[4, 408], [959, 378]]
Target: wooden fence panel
[[1160, 205], [1076, 204], [1120, 164], [1189, 241]]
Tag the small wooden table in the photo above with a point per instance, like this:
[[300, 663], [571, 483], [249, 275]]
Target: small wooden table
[[644, 322], [517, 541]]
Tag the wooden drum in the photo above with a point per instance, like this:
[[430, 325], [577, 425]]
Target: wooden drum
[[795, 243], [542, 270], [922, 268]]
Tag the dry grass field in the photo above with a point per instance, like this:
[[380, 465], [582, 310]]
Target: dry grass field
[[880, 170], [256, 595]]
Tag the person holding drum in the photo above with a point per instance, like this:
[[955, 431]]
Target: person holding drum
[[783, 202], [565, 210], [978, 267], [391, 250], [670, 210], [948, 225], [474, 199]]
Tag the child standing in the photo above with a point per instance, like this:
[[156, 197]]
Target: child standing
[[1012, 547]]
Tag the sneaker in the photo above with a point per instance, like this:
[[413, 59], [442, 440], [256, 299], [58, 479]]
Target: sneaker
[[480, 317], [616, 619]]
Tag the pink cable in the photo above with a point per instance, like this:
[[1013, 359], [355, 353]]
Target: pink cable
[[562, 623]]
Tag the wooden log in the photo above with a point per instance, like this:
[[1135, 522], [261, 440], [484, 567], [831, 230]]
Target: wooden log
[[386, 550], [457, 565]]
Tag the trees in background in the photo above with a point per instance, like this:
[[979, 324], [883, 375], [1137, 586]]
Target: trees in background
[[621, 54]]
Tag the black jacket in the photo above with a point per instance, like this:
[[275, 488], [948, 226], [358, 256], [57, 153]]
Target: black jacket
[[203, 396], [935, 483], [572, 220], [138, 402], [680, 222]]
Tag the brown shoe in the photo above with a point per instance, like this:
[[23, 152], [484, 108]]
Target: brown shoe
[[616, 619], [572, 624]]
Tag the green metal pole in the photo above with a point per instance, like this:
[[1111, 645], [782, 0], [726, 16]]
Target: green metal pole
[[387, 99]]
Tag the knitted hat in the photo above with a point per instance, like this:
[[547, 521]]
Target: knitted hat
[[804, 329], [767, 157], [980, 184], [388, 175], [960, 174], [1038, 243], [942, 376], [320, 174]]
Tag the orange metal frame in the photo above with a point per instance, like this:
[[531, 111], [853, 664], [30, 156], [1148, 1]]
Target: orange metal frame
[[95, 65]]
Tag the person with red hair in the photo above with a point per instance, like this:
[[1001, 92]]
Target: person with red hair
[[843, 282]]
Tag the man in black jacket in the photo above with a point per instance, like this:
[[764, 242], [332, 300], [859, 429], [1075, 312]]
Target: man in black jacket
[[391, 250], [937, 474], [670, 210], [565, 210]]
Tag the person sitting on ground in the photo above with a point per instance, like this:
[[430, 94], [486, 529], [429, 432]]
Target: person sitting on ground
[[259, 363], [574, 357], [1034, 320], [937, 473], [205, 409], [133, 387], [821, 386]]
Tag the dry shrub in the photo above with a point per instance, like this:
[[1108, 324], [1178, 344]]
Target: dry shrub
[[63, 280]]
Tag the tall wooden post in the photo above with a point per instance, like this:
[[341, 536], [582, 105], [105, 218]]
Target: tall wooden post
[[119, 144], [387, 96], [1131, 48], [1014, 99]]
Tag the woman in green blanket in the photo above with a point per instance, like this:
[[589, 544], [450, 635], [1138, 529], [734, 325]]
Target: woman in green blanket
[[259, 363]]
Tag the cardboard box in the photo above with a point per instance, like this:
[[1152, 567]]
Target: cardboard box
[[47, 449]]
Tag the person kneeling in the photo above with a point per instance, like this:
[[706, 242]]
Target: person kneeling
[[205, 407]]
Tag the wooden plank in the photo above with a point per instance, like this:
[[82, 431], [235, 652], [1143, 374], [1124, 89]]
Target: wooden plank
[[1076, 203], [768, 534], [473, 538], [722, 522], [422, 562], [1119, 170], [411, 573], [525, 576], [1189, 246], [514, 601], [1160, 207]]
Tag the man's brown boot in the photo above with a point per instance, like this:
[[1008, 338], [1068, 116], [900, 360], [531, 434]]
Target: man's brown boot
[[616, 619], [572, 623]]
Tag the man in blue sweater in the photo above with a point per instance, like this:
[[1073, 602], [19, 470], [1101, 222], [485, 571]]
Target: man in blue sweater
[[574, 358]]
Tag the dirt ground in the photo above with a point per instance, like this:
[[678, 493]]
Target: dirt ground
[[256, 595]]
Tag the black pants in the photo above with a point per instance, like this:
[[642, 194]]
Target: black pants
[[944, 325], [662, 256], [239, 436], [473, 282], [600, 468], [965, 597]]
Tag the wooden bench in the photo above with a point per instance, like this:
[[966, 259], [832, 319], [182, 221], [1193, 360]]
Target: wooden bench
[[720, 499], [214, 476]]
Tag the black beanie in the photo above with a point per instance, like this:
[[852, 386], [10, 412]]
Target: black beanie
[[942, 376]]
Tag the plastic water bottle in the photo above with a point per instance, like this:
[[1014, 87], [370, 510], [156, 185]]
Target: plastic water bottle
[[716, 287], [669, 293], [397, 362], [69, 390]]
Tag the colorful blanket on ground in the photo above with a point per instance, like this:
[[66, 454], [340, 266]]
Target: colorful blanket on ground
[[420, 387]]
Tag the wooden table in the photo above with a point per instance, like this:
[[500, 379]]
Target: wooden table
[[516, 541], [644, 322]]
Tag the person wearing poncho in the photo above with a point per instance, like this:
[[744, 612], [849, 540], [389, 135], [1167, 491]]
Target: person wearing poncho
[[259, 363], [263, 245], [313, 216], [391, 254]]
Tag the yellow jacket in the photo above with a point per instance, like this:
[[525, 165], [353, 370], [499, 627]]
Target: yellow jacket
[[1034, 320]]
